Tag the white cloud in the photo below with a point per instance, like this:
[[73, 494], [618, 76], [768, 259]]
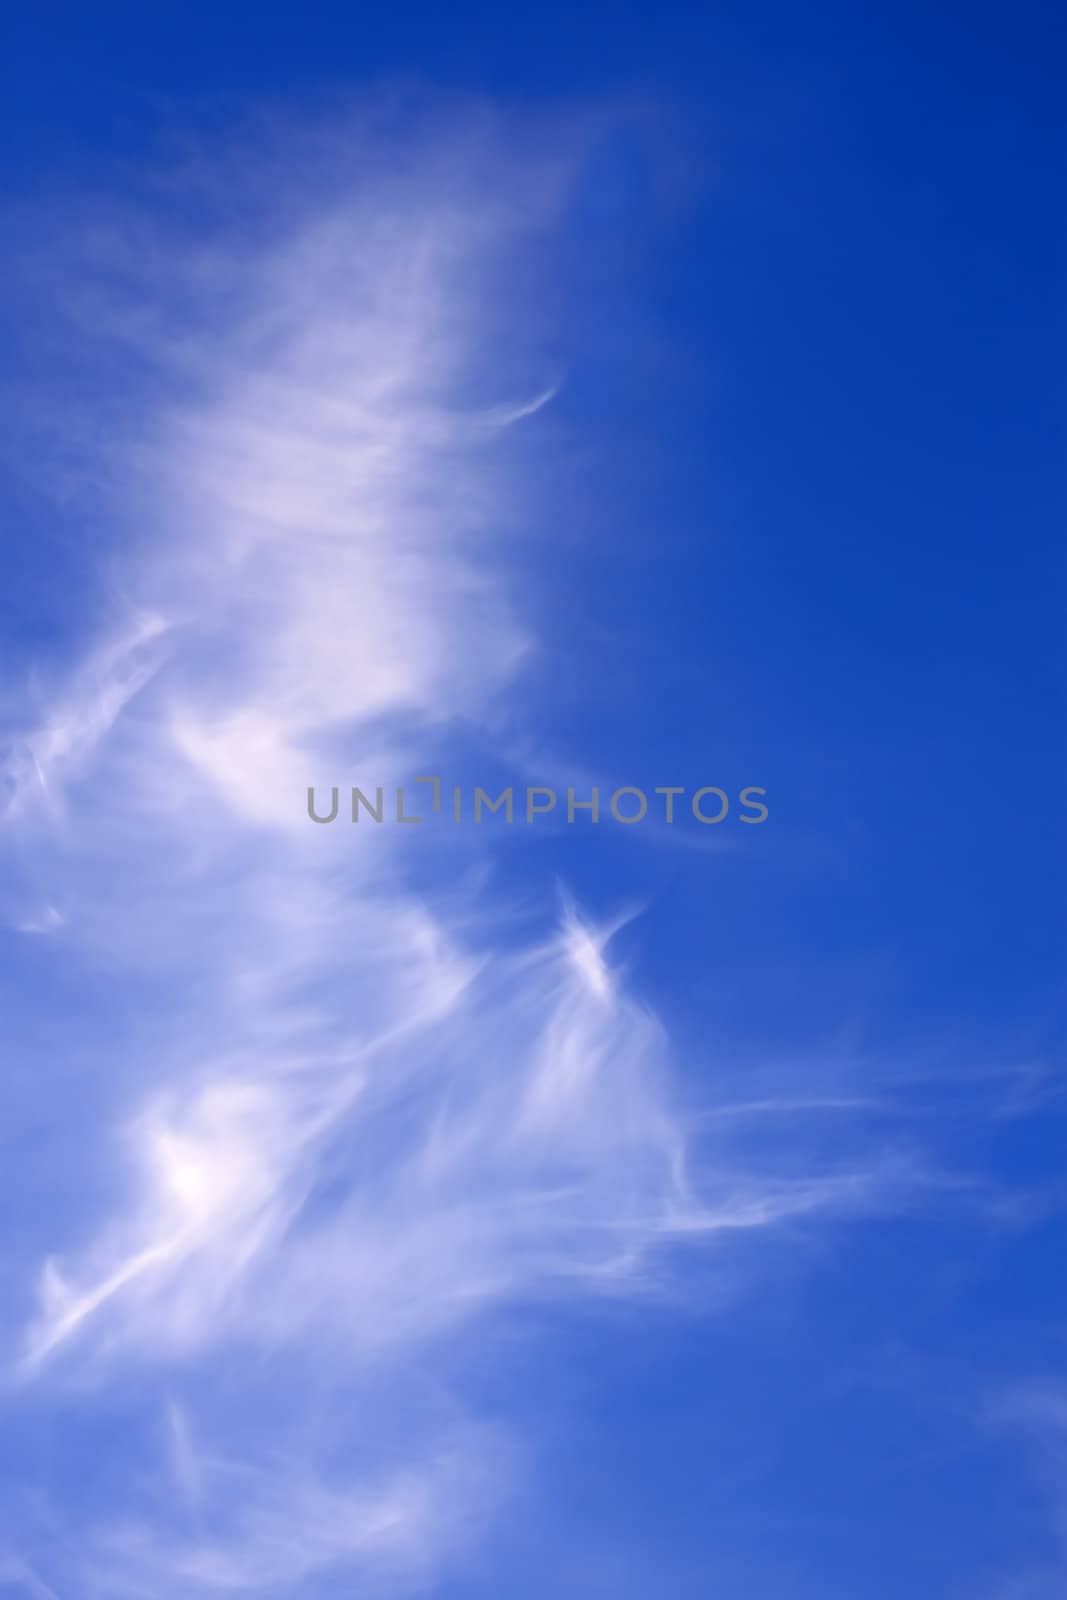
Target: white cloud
[[369, 1115]]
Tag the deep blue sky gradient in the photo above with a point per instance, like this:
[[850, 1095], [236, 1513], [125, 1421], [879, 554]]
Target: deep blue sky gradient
[[819, 337]]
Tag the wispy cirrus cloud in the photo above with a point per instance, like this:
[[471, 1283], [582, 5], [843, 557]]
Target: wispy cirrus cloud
[[355, 1112]]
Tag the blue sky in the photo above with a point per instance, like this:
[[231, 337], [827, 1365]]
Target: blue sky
[[638, 398]]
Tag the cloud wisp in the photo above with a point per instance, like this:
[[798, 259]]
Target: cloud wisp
[[353, 1113]]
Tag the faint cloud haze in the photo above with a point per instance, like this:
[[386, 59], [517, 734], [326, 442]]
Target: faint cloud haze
[[365, 1111]]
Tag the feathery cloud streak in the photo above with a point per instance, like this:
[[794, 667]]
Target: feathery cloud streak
[[349, 1116]]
